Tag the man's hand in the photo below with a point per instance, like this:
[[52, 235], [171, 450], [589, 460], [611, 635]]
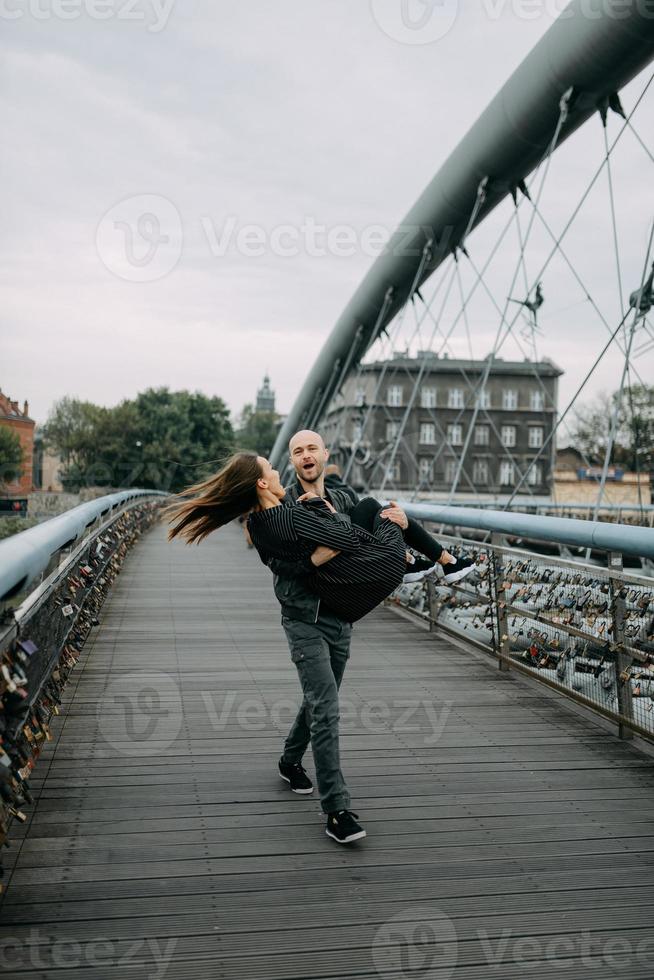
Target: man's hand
[[396, 515], [312, 495], [322, 555]]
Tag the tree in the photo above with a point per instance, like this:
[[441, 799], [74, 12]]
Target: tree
[[183, 436], [633, 445], [11, 456], [257, 431], [71, 431], [161, 440]]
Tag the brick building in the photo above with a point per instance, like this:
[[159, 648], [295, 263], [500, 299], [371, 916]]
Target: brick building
[[19, 422]]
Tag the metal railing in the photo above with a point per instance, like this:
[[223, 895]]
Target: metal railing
[[583, 629], [30, 555], [56, 577]]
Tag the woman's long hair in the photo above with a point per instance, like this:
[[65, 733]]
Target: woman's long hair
[[206, 506]]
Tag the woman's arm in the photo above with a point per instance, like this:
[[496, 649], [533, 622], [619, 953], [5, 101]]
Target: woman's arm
[[281, 527], [325, 530]]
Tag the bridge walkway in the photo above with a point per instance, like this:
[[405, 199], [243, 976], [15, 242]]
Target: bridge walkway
[[501, 823]]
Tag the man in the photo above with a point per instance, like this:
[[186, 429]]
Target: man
[[333, 478], [320, 647]]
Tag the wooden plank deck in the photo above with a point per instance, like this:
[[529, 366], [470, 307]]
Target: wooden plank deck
[[508, 835]]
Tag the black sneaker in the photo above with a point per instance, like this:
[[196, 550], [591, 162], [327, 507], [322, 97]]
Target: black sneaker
[[342, 827], [421, 568], [295, 775], [455, 571]]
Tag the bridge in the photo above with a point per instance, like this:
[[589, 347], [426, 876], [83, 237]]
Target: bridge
[[508, 803], [497, 735]]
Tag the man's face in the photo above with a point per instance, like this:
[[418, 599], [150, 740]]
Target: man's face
[[308, 455]]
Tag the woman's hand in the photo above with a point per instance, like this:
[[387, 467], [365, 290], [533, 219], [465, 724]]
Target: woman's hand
[[312, 495], [322, 555]]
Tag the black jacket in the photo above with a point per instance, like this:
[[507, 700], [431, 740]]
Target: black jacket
[[296, 600]]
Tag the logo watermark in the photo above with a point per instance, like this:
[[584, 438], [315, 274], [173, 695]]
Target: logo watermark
[[419, 943], [397, 716], [140, 713], [153, 13], [415, 21], [39, 951], [426, 21], [140, 239]]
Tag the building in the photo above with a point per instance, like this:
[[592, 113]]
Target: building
[[577, 482], [407, 423], [48, 466], [19, 422], [265, 397]]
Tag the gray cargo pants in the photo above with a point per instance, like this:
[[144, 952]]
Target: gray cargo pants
[[320, 652]]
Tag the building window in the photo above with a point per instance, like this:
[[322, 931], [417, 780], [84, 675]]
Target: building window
[[535, 474], [394, 471], [480, 472], [428, 398], [507, 473], [426, 470], [392, 431], [508, 436], [451, 468], [537, 401], [394, 398], [455, 398], [510, 399], [482, 435], [455, 434], [357, 431], [535, 437], [427, 434], [484, 398], [359, 398]]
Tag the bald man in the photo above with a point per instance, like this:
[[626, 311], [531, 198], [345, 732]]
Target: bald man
[[320, 647]]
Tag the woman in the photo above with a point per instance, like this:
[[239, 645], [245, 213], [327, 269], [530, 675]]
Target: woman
[[371, 561]]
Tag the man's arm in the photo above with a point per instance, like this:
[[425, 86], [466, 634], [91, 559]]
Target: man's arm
[[290, 569], [300, 569]]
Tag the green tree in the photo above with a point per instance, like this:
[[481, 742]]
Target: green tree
[[181, 437], [71, 431], [11, 456], [162, 439], [257, 431]]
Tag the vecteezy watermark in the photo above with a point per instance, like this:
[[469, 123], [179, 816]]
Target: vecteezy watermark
[[140, 238], [419, 943], [140, 713], [426, 21], [397, 716], [38, 951], [153, 13], [415, 21], [585, 949]]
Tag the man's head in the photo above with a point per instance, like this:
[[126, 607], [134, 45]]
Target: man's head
[[308, 455]]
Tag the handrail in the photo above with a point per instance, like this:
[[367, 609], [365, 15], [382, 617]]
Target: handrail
[[24, 556], [623, 538]]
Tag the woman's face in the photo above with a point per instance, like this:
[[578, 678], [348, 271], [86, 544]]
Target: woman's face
[[271, 477]]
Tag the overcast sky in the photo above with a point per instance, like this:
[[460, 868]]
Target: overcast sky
[[141, 140]]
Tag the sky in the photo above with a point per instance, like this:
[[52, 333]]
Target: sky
[[194, 189]]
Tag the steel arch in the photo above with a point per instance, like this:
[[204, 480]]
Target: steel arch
[[583, 59]]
